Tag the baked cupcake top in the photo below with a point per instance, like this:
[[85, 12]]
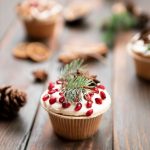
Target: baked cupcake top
[[140, 43], [76, 93], [41, 10]]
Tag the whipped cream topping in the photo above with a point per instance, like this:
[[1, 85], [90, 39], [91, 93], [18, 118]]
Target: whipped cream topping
[[41, 10], [96, 108], [139, 45]]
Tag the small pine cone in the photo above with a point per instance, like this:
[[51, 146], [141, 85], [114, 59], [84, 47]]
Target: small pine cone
[[11, 100]]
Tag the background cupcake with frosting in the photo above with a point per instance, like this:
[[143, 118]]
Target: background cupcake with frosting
[[39, 17], [76, 102], [139, 49]]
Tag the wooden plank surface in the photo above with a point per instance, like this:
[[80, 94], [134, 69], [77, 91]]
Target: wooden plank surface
[[124, 126], [7, 15], [131, 96], [17, 72], [42, 136]]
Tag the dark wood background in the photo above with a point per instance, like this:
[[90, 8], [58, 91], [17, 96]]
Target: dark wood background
[[124, 126]]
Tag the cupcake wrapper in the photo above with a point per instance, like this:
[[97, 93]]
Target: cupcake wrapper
[[74, 128], [142, 65], [142, 69], [39, 30]]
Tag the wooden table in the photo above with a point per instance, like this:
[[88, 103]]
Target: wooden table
[[124, 126]]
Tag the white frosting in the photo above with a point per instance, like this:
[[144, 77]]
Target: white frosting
[[138, 46], [28, 12], [57, 106]]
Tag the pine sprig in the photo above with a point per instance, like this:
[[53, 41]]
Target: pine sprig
[[71, 68], [115, 23], [78, 82], [75, 82], [76, 86]]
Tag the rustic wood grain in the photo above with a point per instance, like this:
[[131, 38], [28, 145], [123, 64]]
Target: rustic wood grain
[[7, 15], [131, 96], [125, 126], [42, 136], [131, 102], [14, 134]]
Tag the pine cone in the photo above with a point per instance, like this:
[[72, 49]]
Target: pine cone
[[11, 100]]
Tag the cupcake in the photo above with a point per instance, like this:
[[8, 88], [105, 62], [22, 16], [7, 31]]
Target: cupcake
[[139, 49], [75, 102], [39, 17]]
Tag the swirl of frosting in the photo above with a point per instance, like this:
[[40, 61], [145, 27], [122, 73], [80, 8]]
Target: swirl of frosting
[[140, 43], [89, 104], [42, 10]]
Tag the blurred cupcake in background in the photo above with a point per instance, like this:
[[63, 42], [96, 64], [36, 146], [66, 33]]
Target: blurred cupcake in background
[[39, 17], [139, 49]]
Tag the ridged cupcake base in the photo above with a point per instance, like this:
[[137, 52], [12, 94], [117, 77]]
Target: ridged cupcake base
[[75, 128]]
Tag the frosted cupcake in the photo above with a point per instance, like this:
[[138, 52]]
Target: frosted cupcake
[[39, 17], [139, 49], [75, 102]]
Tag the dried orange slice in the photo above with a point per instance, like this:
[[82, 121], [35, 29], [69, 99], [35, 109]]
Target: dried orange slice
[[38, 52], [20, 51]]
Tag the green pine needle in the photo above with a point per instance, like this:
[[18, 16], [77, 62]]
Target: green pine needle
[[71, 68], [148, 47], [75, 84], [78, 82], [115, 23]]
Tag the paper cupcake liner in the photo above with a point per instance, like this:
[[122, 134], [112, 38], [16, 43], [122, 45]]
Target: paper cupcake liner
[[75, 128], [39, 30], [142, 65]]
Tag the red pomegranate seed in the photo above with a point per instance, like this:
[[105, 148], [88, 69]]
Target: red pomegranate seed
[[65, 104], [61, 94], [78, 107], [89, 104], [101, 87], [87, 97], [51, 86], [56, 90], [59, 82], [45, 97], [103, 95], [51, 92], [91, 94], [96, 90], [62, 99], [89, 112], [98, 101], [52, 100]]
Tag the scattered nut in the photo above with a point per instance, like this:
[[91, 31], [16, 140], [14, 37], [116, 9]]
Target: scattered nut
[[40, 75]]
